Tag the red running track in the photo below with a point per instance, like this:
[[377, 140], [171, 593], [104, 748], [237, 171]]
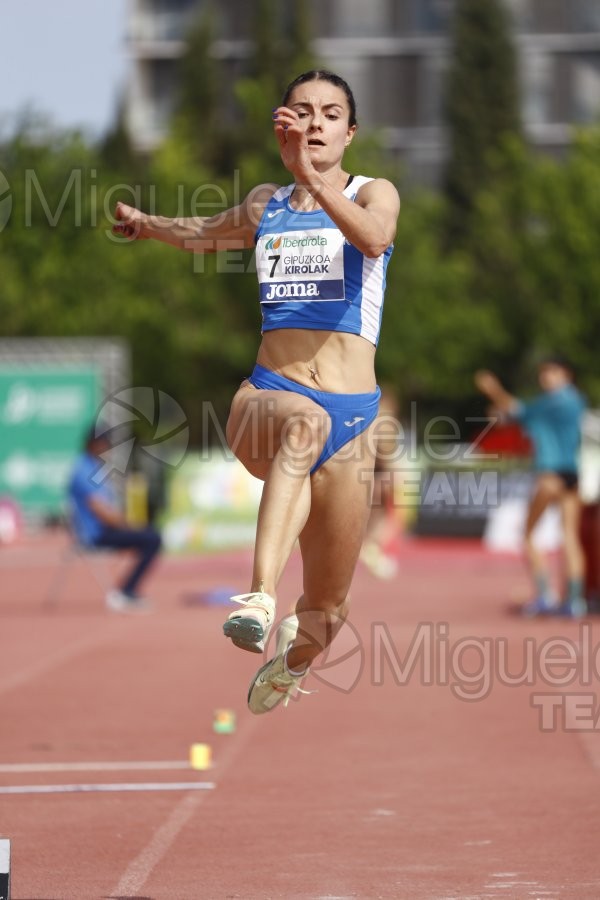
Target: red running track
[[384, 784]]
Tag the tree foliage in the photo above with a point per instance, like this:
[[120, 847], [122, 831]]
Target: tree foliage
[[534, 246], [197, 120], [481, 105]]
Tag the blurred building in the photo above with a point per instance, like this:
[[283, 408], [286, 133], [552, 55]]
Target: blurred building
[[394, 53]]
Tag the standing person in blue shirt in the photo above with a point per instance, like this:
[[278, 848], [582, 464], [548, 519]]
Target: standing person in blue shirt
[[553, 422], [302, 420], [97, 521]]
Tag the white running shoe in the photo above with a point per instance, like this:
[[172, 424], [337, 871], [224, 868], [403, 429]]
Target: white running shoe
[[286, 633], [249, 628], [273, 684], [118, 601]]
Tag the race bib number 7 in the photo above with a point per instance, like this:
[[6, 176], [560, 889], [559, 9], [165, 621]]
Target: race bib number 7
[[301, 265]]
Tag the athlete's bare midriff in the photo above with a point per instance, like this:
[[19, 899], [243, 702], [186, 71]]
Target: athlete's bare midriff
[[324, 360]]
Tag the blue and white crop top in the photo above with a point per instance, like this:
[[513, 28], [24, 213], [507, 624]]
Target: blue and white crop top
[[311, 277]]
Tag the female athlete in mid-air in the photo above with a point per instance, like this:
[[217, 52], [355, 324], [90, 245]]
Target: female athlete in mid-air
[[302, 420]]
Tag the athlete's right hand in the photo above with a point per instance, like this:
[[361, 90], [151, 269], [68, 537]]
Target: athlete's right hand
[[130, 222]]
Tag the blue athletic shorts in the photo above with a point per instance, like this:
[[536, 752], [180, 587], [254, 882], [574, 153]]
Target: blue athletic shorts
[[350, 414]]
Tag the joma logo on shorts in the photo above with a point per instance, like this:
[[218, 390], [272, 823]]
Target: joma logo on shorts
[[298, 289]]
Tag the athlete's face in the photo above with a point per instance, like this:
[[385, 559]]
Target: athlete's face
[[324, 112], [552, 376]]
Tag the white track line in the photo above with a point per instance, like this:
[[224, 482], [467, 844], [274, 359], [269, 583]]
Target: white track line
[[101, 788], [141, 867], [131, 766], [139, 870]]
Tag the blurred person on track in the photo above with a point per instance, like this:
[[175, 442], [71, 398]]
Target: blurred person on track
[[302, 420], [97, 521], [552, 421]]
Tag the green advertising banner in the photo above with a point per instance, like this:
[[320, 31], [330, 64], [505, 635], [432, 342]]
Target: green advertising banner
[[44, 411]]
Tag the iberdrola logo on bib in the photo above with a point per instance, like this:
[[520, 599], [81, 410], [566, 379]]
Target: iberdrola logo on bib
[[287, 243], [316, 240]]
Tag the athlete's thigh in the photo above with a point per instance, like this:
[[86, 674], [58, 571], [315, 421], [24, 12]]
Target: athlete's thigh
[[548, 490], [332, 537], [259, 420]]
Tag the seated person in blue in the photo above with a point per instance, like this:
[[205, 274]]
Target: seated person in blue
[[98, 522], [552, 421]]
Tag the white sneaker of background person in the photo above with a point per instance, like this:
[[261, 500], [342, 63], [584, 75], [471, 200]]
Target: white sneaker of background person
[[119, 601]]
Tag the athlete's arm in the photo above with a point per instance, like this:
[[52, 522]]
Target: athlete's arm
[[368, 222], [491, 386], [106, 512], [232, 229]]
